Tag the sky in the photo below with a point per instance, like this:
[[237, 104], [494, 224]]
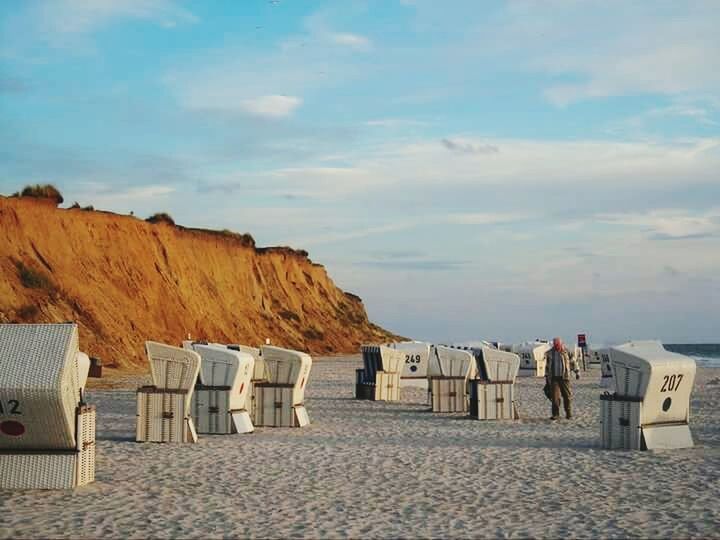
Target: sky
[[472, 170]]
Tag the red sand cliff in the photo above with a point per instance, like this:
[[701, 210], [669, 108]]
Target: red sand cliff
[[124, 280]]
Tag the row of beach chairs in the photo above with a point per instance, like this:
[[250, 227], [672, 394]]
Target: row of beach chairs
[[478, 380], [47, 429], [211, 388], [648, 410]]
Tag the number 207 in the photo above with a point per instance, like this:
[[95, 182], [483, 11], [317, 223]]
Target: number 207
[[671, 383]]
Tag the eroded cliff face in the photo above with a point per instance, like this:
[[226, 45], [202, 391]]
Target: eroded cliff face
[[125, 281]]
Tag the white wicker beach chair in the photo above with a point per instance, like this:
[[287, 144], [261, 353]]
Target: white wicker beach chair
[[280, 400], [47, 434], [221, 403], [163, 410], [650, 409], [379, 379], [492, 392], [448, 372]]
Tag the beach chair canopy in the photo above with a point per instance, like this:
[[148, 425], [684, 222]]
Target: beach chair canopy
[[450, 362], [285, 366], [259, 367], [40, 382], [221, 366], [496, 365], [416, 357], [172, 368]]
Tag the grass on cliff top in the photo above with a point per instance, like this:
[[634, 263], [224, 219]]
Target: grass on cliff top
[[161, 217], [41, 191]]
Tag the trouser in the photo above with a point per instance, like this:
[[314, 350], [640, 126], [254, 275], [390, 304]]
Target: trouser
[[560, 387]]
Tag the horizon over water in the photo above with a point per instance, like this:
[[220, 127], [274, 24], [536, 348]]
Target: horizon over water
[[705, 354]]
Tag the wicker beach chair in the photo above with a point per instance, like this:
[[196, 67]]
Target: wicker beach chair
[[280, 402], [47, 432], [221, 402], [163, 409], [448, 372], [379, 380]]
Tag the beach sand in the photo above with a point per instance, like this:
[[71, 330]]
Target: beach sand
[[372, 469]]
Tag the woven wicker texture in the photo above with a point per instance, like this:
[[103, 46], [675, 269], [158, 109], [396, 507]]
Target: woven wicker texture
[[285, 366], [172, 367], [162, 417], [225, 367], [449, 362], [53, 469], [39, 386], [448, 395]]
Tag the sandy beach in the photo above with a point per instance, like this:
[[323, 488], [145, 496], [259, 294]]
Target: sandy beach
[[371, 469]]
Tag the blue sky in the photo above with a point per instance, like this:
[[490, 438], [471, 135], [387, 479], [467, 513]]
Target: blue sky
[[500, 170]]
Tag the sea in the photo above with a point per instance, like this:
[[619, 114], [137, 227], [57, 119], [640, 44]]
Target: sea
[[705, 354]]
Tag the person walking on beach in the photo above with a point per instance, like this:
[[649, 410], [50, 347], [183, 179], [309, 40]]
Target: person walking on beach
[[558, 366]]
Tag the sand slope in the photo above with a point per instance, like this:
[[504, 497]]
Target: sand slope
[[366, 469], [125, 281]]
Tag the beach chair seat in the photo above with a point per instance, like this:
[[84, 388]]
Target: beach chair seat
[[280, 400], [47, 432], [493, 400], [164, 408]]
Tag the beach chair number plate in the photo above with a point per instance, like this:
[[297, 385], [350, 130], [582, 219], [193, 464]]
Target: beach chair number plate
[[10, 407], [671, 383], [410, 359]]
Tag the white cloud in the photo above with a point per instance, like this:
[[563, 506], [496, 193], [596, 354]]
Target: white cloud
[[485, 218], [610, 48], [354, 41], [517, 166], [668, 224], [64, 23], [271, 106], [394, 123]]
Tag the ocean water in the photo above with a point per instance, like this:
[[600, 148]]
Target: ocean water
[[705, 354]]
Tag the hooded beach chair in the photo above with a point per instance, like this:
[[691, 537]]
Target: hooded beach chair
[[448, 372], [379, 379], [280, 401], [221, 400], [650, 409], [47, 431], [532, 358], [163, 409], [492, 391]]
